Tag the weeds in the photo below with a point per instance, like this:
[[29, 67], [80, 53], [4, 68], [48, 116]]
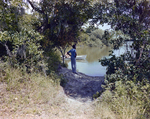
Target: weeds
[[127, 101], [26, 93]]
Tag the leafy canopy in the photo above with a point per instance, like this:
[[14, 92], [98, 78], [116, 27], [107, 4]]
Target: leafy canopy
[[60, 21], [132, 17]]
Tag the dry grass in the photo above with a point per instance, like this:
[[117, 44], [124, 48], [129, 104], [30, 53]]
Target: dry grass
[[103, 111], [24, 96], [37, 97], [108, 107], [27, 94]]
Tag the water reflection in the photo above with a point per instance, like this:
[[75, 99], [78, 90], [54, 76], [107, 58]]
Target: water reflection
[[91, 65], [93, 53]]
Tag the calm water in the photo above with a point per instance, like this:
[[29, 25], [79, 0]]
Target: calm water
[[91, 65]]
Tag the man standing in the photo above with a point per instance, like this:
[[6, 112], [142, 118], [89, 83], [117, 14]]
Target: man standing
[[73, 58]]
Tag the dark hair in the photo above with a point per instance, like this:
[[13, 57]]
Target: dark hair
[[74, 46]]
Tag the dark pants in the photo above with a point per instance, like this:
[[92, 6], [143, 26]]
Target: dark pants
[[73, 64]]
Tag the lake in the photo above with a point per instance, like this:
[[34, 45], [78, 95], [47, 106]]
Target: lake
[[91, 65]]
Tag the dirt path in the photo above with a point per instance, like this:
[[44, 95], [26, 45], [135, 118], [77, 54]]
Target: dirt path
[[79, 89], [74, 109]]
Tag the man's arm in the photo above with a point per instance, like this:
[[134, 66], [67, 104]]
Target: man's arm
[[75, 54], [68, 54]]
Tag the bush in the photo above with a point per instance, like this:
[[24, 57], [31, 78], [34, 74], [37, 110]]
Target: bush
[[125, 98], [26, 51], [53, 61]]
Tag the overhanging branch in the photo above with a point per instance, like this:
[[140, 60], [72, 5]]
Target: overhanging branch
[[7, 49], [35, 8]]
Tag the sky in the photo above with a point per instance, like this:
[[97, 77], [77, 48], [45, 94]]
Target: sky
[[105, 27], [29, 10]]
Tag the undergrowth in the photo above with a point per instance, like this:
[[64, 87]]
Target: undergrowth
[[128, 100], [25, 93]]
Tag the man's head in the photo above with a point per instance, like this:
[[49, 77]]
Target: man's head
[[74, 46]]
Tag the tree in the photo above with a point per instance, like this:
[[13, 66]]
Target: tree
[[25, 51], [60, 21], [132, 17], [22, 44], [92, 36], [128, 76], [10, 14]]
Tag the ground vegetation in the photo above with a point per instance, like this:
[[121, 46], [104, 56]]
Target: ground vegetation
[[127, 76]]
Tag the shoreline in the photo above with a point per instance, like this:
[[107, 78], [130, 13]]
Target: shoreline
[[80, 86]]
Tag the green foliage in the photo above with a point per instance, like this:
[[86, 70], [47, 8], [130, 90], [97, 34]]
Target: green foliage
[[90, 29], [84, 37], [23, 46], [114, 63], [129, 17], [127, 80], [10, 14], [64, 65], [53, 61], [27, 21], [26, 50], [92, 37], [126, 17], [128, 66], [127, 97], [98, 33], [62, 25], [60, 21]]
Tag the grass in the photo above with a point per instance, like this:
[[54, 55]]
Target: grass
[[113, 106], [27, 93], [119, 109], [33, 96], [103, 111]]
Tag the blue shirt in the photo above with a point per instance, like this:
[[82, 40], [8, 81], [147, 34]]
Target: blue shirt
[[73, 53]]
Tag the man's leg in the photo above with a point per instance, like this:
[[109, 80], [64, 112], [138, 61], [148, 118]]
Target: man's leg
[[73, 65]]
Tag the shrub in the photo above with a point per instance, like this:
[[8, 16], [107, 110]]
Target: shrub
[[125, 98], [26, 50], [53, 61]]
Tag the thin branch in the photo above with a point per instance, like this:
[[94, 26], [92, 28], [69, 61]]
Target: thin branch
[[7, 49], [35, 8], [141, 52], [1, 43], [63, 54]]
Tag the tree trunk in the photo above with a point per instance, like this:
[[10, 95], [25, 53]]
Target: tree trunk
[[8, 51], [62, 50], [62, 54]]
